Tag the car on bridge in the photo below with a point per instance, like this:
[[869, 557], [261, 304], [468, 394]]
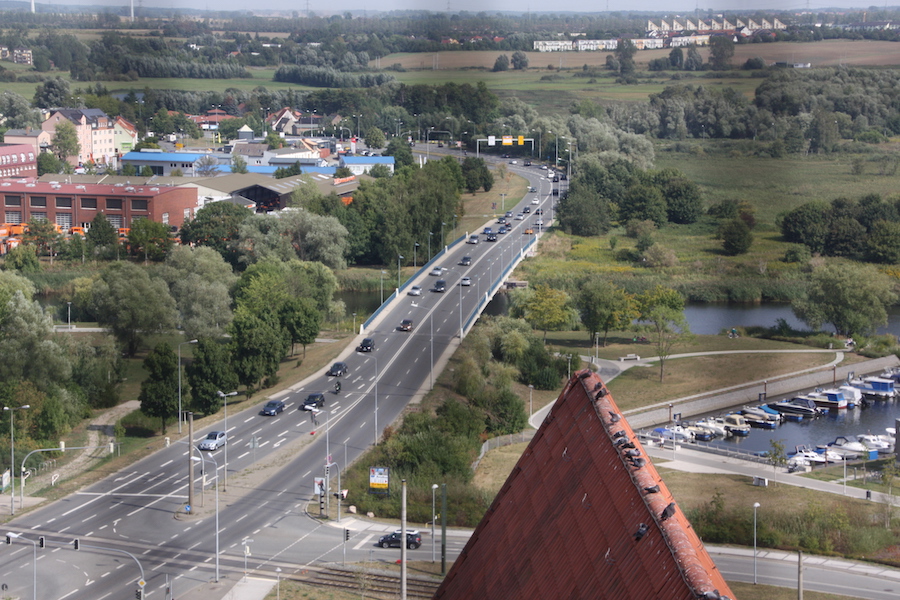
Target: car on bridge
[[316, 400], [338, 369], [406, 325], [413, 539], [440, 285], [214, 440], [415, 290], [272, 408], [367, 345], [466, 261]]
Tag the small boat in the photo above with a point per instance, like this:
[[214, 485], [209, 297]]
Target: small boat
[[831, 455], [736, 424], [757, 412], [853, 395], [798, 406], [761, 423], [832, 399], [874, 388], [844, 443], [769, 410], [875, 442], [812, 456], [712, 424], [700, 433], [674, 432]]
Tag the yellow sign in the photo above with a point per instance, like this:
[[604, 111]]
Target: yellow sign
[[521, 140], [507, 140]]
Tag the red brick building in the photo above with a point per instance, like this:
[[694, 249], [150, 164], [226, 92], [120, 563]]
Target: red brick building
[[75, 204]]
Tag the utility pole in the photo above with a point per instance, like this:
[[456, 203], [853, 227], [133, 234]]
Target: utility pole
[[191, 463], [403, 543]]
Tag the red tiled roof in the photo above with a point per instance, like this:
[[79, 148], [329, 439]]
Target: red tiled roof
[[584, 514]]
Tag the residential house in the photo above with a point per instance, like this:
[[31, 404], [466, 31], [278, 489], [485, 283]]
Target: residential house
[[360, 165], [96, 137], [37, 139], [125, 135], [18, 160], [22, 56]]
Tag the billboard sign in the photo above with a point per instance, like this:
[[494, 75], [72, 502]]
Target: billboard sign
[[379, 480]]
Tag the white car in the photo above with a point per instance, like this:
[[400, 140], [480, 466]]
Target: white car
[[437, 271], [539, 223], [535, 201], [520, 217], [465, 281], [214, 440], [473, 239], [414, 291]]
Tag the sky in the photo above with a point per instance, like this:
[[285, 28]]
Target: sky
[[475, 6]]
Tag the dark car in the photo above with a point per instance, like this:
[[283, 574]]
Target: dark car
[[491, 237], [316, 400], [367, 345], [440, 285], [413, 539], [406, 325], [466, 261], [338, 369], [539, 211], [272, 408], [526, 210], [501, 221]]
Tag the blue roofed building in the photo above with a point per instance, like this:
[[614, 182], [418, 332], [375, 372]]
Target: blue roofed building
[[360, 165], [163, 163]]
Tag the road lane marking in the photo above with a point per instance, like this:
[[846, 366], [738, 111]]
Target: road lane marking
[[264, 443], [305, 474], [363, 424], [254, 432], [166, 463], [364, 541], [249, 418], [242, 455], [283, 433]]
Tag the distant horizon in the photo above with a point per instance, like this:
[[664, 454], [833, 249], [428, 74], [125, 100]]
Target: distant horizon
[[471, 6]]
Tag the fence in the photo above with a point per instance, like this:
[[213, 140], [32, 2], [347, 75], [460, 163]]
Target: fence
[[503, 440]]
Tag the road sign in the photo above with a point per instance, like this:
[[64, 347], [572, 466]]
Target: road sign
[[319, 485], [141, 583]]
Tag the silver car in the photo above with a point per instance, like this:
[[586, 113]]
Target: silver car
[[214, 440], [415, 291]]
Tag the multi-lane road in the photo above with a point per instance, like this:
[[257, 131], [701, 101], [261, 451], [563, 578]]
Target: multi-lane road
[[133, 524]]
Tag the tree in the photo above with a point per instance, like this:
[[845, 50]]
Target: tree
[[65, 140], [147, 171], [159, 391], [238, 164], [852, 298], [379, 171], [519, 60], [29, 347], [259, 342], [721, 52], [302, 320], [18, 111], [375, 138], [43, 235], [625, 51], [882, 244], [217, 225], [47, 163], [501, 64], [676, 58], [131, 304], [53, 93], [736, 237], [693, 61], [662, 315], [207, 166], [22, 259], [547, 309], [274, 141], [209, 371], [149, 238], [399, 149], [604, 307], [643, 202], [476, 174], [777, 455], [101, 235]]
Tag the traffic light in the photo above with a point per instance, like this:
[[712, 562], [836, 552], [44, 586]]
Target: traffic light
[[139, 593], [42, 542], [77, 544], [8, 540], [346, 535]]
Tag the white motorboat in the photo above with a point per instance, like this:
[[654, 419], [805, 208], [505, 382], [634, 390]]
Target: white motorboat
[[832, 399], [714, 426], [736, 424], [875, 442], [874, 388], [700, 433], [842, 443], [674, 432]]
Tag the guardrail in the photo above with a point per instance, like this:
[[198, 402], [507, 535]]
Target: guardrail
[[503, 440], [708, 447]]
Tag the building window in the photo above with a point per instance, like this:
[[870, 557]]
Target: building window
[[165, 218], [115, 220], [38, 201], [113, 204], [139, 205], [38, 216], [63, 202], [64, 220], [13, 217], [89, 203], [13, 201]]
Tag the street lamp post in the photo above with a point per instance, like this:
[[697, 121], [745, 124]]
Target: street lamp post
[[382, 286], [442, 233], [19, 536], [434, 488], [12, 455], [530, 400], [416, 255], [70, 315], [224, 398], [399, 258], [216, 465], [246, 543], [278, 583], [354, 323], [430, 236], [755, 506], [179, 380]]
